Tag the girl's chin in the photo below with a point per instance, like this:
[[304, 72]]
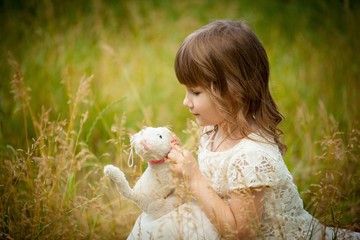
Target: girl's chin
[[201, 123], [206, 123]]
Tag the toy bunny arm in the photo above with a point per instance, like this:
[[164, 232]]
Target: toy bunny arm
[[122, 185]]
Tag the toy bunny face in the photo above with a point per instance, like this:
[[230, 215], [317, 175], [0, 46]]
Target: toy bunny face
[[152, 143]]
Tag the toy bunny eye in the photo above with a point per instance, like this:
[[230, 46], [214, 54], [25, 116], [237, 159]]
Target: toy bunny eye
[[160, 136]]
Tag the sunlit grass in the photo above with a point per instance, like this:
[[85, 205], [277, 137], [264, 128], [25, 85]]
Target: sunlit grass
[[83, 77]]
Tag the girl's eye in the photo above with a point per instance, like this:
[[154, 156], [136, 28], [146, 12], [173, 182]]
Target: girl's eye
[[195, 92]]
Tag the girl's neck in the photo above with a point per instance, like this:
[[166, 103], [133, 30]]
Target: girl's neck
[[225, 138]]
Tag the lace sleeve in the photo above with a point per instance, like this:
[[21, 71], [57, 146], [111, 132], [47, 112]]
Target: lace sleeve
[[252, 168]]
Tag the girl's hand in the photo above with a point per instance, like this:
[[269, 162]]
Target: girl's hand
[[175, 139], [181, 162]]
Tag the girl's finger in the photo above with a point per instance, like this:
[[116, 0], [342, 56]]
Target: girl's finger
[[175, 139], [177, 148], [171, 161], [174, 155]]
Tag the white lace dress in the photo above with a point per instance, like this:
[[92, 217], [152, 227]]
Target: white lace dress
[[251, 163]]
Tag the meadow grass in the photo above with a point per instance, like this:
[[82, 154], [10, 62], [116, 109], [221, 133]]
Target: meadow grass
[[78, 78]]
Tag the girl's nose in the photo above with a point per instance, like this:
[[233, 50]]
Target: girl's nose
[[187, 102]]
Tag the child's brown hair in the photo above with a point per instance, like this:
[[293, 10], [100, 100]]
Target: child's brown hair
[[227, 59]]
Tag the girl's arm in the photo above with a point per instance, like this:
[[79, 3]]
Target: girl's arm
[[239, 217]]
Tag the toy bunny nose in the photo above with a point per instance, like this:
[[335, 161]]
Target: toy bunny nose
[[144, 143]]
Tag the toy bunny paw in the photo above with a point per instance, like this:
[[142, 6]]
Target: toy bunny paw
[[114, 173]]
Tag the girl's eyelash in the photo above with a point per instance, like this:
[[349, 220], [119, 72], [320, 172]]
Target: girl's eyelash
[[194, 91]]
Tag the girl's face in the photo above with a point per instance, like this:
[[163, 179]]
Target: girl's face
[[202, 107]]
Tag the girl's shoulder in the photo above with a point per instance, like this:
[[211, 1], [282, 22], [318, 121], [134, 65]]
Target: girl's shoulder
[[253, 146], [258, 141], [260, 161], [259, 144]]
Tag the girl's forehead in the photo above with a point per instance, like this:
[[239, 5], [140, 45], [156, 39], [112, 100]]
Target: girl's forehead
[[198, 84], [192, 86]]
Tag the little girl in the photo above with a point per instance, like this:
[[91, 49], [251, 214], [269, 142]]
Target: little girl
[[241, 186]]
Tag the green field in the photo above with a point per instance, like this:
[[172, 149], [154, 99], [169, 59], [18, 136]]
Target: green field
[[76, 78]]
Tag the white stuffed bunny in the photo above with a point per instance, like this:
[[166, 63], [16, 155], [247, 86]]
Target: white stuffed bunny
[[156, 192]]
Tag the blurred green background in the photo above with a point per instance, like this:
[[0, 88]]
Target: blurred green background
[[129, 48]]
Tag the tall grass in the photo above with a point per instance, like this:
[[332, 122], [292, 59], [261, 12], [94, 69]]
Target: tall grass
[[78, 78]]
